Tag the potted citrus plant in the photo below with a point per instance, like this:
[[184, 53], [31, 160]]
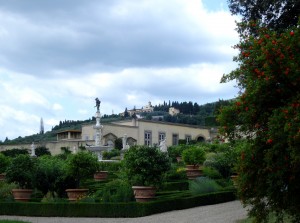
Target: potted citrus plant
[[193, 157], [80, 166], [21, 172], [145, 168], [102, 172]]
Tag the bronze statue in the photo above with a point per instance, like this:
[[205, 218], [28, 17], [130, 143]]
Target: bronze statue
[[97, 103]]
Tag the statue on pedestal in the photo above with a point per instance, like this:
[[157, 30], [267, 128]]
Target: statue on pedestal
[[97, 103], [163, 146], [124, 142], [33, 150]]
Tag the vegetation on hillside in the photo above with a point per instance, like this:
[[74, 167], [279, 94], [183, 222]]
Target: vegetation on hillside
[[190, 113]]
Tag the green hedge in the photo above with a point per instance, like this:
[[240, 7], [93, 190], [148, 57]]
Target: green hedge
[[131, 209], [176, 185]]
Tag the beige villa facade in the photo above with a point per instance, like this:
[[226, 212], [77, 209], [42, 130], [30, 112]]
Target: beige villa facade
[[138, 132]]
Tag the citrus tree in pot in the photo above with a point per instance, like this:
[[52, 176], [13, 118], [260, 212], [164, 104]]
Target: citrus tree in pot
[[21, 172], [101, 173], [193, 157], [145, 168], [80, 166]]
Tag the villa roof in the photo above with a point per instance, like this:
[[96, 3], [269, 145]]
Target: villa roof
[[69, 130]]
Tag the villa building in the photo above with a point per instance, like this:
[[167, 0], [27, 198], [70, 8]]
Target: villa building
[[138, 131]]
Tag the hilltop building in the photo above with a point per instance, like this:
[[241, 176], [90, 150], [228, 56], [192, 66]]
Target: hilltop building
[[173, 111], [147, 108]]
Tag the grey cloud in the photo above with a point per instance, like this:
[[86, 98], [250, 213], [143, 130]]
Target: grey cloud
[[82, 36]]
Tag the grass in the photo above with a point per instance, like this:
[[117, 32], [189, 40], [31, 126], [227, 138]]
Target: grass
[[13, 221]]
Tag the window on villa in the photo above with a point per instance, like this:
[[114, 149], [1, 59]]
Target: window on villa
[[148, 138], [161, 136], [175, 139], [188, 138]]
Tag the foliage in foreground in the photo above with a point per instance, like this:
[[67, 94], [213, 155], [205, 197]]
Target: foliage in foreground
[[267, 114]]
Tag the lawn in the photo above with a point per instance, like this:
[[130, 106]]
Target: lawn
[[13, 221]]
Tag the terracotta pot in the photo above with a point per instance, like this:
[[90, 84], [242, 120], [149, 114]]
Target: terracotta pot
[[76, 194], [193, 171], [22, 194], [143, 193], [101, 175], [2, 176]]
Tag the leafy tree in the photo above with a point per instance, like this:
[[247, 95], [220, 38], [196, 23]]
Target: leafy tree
[[276, 14], [126, 114], [49, 174], [21, 171], [146, 166], [267, 114], [81, 166]]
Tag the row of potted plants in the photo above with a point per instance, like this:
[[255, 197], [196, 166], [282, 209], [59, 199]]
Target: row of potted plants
[[143, 166]]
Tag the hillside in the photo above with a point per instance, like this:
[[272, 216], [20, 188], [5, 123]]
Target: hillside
[[190, 113]]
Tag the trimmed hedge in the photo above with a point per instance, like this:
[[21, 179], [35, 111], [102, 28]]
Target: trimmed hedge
[[176, 185], [131, 209]]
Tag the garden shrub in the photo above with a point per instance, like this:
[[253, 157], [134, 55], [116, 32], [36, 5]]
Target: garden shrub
[[225, 160], [5, 191], [117, 191], [4, 163], [107, 155], [14, 152], [109, 166], [175, 151], [49, 174], [182, 185], [220, 162], [202, 185], [176, 172], [211, 173]]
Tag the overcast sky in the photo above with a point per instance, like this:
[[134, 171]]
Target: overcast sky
[[57, 56]]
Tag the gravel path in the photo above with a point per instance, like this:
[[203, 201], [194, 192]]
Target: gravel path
[[228, 212]]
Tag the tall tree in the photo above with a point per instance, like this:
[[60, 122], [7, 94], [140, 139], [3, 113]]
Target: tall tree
[[126, 114], [267, 114], [276, 14], [42, 126]]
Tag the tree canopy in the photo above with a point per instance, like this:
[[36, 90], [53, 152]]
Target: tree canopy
[[275, 14], [267, 113]]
